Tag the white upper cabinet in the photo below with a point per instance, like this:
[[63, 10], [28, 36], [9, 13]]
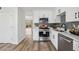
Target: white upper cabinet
[[50, 16], [72, 14], [60, 10], [36, 20], [57, 20], [44, 13], [36, 16]]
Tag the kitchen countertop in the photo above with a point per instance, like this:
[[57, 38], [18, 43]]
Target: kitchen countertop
[[66, 33], [72, 36]]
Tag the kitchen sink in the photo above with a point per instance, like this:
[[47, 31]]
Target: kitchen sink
[[59, 30]]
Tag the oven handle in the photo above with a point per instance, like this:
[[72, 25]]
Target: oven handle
[[66, 39]]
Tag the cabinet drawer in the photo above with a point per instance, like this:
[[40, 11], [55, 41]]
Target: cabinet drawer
[[75, 45]]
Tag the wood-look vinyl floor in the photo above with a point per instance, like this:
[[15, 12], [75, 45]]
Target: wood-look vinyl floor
[[28, 45]]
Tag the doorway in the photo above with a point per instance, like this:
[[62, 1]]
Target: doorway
[[28, 29]]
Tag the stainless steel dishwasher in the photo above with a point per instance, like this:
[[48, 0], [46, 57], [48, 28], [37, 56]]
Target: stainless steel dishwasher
[[65, 43]]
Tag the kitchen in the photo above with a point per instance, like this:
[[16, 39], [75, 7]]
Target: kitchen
[[57, 28], [63, 28]]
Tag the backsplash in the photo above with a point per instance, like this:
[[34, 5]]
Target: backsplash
[[54, 25], [69, 24]]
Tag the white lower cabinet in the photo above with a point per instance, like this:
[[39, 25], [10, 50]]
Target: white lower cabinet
[[54, 38], [36, 34], [75, 45]]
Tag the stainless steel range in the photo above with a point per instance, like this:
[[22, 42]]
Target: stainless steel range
[[44, 32], [43, 27]]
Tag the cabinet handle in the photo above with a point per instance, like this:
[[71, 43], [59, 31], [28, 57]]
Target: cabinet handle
[[53, 37], [68, 40], [78, 14], [75, 15]]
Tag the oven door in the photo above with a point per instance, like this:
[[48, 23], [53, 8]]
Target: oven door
[[43, 34]]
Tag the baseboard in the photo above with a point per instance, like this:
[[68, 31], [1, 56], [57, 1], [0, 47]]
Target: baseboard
[[21, 40], [9, 42]]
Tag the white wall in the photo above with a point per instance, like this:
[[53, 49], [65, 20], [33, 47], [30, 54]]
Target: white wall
[[12, 25], [8, 25], [21, 24]]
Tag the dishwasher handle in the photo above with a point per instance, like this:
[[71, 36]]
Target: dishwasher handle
[[66, 40]]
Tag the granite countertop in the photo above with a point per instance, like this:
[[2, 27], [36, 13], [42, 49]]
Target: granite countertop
[[66, 33], [72, 36]]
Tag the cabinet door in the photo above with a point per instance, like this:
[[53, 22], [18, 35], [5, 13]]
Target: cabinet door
[[36, 20], [72, 14], [51, 34], [35, 34], [75, 45], [48, 14], [57, 20], [51, 17], [36, 16], [60, 10], [76, 10], [56, 41], [54, 38]]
